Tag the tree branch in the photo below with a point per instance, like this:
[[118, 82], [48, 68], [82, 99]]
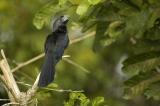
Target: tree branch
[[28, 62], [8, 76]]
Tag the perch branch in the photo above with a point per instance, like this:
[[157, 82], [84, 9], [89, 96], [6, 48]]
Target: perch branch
[[7, 88]]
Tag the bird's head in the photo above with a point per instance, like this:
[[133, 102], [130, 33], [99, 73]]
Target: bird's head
[[60, 23]]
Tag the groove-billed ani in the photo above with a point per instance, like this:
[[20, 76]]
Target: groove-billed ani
[[55, 44]]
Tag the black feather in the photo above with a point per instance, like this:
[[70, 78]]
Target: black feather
[[48, 71]]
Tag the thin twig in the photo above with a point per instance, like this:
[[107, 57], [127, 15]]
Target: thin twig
[[3, 55], [28, 62], [11, 103], [4, 99], [36, 102], [63, 90], [42, 54], [51, 89], [36, 82], [76, 65], [82, 38]]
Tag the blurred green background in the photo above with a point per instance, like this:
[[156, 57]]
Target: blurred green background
[[21, 41]]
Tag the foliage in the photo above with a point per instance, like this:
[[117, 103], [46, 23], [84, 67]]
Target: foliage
[[139, 83], [136, 23], [153, 91], [143, 62], [84, 101]]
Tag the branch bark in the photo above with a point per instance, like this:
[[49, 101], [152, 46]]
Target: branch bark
[[8, 77]]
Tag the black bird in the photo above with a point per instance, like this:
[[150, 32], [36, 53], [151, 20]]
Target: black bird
[[55, 45]]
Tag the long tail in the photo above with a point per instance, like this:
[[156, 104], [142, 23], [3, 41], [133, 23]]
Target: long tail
[[48, 70]]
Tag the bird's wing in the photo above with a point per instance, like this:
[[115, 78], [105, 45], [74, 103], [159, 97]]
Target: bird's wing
[[67, 41], [50, 43], [61, 44]]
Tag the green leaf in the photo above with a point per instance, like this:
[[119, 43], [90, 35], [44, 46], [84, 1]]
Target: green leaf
[[145, 45], [94, 2], [141, 63], [108, 41], [136, 85], [107, 13], [62, 2], [153, 91], [53, 85], [84, 101], [98, 101], [138, 3], [115, 29], [136, 24], [107, 33], [75, 1], [153, 33], [88, 25], [88, 19], [100, 37], [154, 2], [82, 8], [153, 17], [44, 15]]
